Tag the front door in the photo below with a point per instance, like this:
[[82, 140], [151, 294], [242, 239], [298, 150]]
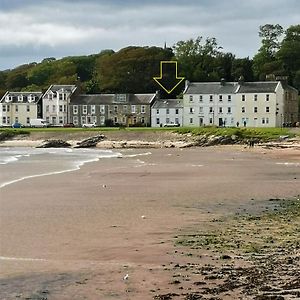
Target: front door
[[220, 122]]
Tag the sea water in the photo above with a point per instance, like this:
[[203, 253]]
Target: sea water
[[18, 163]]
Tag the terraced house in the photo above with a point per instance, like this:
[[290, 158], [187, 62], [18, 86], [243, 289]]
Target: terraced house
[[253, 104], [20, 107], [112, 109], [56, 102]]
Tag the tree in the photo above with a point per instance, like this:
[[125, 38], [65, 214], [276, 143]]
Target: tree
[[270, 35]]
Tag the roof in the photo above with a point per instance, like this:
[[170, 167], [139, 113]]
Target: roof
[[96, 99], [258, 87], [168, 103], [56, 87], [15, 95], [211, 88]]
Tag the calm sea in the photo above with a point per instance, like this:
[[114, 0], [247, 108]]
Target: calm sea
[[22, 163]]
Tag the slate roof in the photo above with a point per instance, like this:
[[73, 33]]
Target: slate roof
[[98, 99], [38, 97], [56, 87], [168, 103], [211, 88], [258, 87]]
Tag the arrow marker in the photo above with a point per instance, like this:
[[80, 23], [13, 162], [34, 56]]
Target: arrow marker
[[167, 69]]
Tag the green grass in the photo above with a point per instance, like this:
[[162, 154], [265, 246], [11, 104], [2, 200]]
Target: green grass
[[241, 133]]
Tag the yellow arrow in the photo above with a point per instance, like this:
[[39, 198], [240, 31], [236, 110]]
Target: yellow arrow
[[177, 78]]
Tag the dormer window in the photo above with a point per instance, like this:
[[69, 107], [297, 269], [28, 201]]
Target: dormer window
[[8, 98], [20, 98], [121, 97], [50, 96], [31, 98]]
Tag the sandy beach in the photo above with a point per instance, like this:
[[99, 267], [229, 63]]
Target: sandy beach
[[77, 235]]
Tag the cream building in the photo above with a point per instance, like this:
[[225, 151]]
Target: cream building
[[20, 107]]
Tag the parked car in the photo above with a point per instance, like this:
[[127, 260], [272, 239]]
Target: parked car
[[38, 123], [17, 125], [89, 125], [171, 125], [69, 125]]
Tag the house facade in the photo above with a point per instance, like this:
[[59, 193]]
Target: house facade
[[112, 109], [56, 102], [253, 104], [209, 103], [166, 112], [20, 107]]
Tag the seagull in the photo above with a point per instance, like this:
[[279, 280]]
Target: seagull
[[104, 185], [143, 217], [126, 277]]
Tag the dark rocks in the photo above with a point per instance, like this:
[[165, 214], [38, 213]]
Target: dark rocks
[[54, 144], [168, 296], [90, 142]]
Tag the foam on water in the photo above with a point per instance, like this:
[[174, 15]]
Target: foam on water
[[18, 164]]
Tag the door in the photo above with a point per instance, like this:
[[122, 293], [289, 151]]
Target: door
[[220, 122]]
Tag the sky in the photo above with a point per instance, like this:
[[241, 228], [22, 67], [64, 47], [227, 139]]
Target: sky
[[31, 30]]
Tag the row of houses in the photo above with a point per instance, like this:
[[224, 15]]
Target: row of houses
[[253, 104]]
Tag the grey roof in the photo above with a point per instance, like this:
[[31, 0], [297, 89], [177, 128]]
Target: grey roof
[[96, 99], [211, 88], [38, 96], [168, 103], [56, 87], [258, 87]]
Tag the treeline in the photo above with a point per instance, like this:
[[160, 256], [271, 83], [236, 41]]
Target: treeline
[[131, 69]]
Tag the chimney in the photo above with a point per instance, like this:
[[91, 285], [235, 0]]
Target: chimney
[[223, 81]]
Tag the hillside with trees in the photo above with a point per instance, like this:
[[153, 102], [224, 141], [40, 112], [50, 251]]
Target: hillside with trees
[[131, 69]]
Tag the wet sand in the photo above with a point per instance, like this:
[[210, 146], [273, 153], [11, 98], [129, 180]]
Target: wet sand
[[76, 235]]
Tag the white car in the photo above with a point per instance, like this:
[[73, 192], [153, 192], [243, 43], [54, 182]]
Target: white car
[[89, 125]]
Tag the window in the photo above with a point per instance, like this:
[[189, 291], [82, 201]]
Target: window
[[220, 110], [220, 98], [60, 96], [84, 109], [167, 111], [267, 109], [229, 98], [167, 120], [255, 97], [255, 109], [142, 120], [50, 96], [243, 97], [191, 120], [191, 98], [65, 108], [133, 109], [121, 98], [4, 109], [116, 120], [176, 121], [263, 120], [17, 108], [176, 111], [243, 109], [157, 121], [75, 110], [267, 97], [60, 108], [102, 109], [125, 110], [191, 110], [4, 120], [157, 111], [16, 119], [27, 120], [229, 110], [93, 109], [61, 120], [210, 98], [48, 119], [8, 120], [115, 109], [200, 109], [28, 108], [143, 109], [20, 98], [267, 120], [210, 120], [53, 108], [83, 119], [102, 120], [211, 110], [200, 98], [75, 120]]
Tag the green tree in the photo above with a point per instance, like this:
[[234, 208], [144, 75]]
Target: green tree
[[262, 61]]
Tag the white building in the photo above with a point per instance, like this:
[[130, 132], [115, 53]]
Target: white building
[[56, 102], [167, 112], [253, 104], [20, 107], [209, 103]]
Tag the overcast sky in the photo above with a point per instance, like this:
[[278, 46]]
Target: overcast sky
[[31, 30]]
